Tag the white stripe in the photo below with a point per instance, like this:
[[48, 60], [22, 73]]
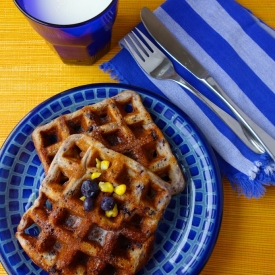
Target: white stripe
[[223, 146], [231, 31], [226, 149], [217, 72]]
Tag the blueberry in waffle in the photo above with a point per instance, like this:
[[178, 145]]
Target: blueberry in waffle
[[122, 124], [99, 240]]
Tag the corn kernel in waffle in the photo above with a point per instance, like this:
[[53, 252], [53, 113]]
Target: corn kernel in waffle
[[73, 240], [122, 124]]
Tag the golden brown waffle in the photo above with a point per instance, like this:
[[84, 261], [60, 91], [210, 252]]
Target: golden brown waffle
[[74, 241], [122, 124]]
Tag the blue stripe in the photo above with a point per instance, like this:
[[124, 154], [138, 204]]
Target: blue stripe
[[134, 76], [244, 18], [236, 161], [227, 59]]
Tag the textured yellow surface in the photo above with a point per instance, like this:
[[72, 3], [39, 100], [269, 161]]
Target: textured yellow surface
[[31, 73]]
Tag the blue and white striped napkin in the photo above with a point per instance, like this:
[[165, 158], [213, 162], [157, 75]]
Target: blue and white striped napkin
[[239, 52]]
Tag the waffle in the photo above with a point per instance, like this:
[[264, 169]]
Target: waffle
[[122, 124], [74, 241]]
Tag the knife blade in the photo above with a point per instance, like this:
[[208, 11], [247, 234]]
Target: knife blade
[[257, 136]]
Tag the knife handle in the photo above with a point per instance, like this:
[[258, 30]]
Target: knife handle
[[254, 132], [231, 122]]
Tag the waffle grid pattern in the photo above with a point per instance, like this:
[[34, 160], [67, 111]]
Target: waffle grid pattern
[[198, 206], [122, 124], [68, 232]]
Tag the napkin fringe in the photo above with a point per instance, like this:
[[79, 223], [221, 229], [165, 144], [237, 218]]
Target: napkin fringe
[[109, 68], [254, 185], [247, 53]]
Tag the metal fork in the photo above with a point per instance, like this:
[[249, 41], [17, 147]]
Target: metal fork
[[159, 66]]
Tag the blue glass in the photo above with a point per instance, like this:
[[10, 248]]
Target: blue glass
[[83, 43]]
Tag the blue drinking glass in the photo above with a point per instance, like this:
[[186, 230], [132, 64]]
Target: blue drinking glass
[[82, 43]]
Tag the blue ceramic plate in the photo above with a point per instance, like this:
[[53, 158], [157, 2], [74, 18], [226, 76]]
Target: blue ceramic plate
[[188, 231]]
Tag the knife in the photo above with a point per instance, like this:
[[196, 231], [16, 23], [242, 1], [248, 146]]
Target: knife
[[256, 135]]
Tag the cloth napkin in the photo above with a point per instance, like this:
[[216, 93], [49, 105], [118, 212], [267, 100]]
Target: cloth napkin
[[238, 50]]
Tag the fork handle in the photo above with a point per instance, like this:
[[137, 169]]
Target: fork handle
[[255, 132], [232, 123]]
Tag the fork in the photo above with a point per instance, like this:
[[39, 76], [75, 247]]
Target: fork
[[159, 66]]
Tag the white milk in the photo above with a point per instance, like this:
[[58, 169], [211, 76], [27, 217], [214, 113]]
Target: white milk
[[65, 12]]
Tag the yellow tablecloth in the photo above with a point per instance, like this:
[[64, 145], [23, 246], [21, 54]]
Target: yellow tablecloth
[[31, 73]]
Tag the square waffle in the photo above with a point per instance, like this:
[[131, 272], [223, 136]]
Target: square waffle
[[122, 124], [74, 241]]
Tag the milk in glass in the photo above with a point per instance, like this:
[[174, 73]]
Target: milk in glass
[[65, 12]]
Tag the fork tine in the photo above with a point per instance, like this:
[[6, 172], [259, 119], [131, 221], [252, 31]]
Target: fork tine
[[145, 48], [141, 51], [148, 41], [133, 51]]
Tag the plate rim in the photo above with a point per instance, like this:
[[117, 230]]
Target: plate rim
[[218, 221]]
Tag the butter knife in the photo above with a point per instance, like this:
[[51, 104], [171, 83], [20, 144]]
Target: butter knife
[[256, 135]]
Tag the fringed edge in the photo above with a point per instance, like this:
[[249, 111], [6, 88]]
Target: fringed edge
[[109, 68], [260, 176], [254, 184]]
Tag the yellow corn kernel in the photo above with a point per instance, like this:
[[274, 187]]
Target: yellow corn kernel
[[120, 189], [106, 187], [95, 175], [104, 165], [83, 198], [98, 163], [112, 213]]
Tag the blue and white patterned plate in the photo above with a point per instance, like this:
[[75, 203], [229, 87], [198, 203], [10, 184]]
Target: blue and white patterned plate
[[188, 231]]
